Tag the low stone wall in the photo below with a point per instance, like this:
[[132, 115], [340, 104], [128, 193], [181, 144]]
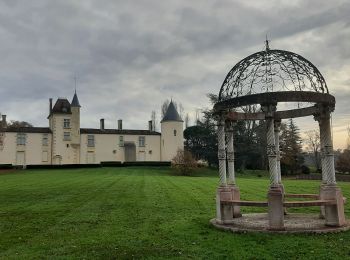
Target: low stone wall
[[339, 177]]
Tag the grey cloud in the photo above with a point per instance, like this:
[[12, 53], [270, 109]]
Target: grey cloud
[[129, 56]]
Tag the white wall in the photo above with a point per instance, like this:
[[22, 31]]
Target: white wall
[[107, 148], [69, 153], [170, 143], [33, 149]]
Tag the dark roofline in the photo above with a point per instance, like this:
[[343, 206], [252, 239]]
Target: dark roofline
[[46, 130], [58, 107], [117, 132], [39, 130]]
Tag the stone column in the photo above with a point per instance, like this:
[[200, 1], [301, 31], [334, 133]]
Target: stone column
[[334, 214], [277, 126], [328, 170], [275, 194], [224, 212], [271, 145], [231, 167], [222, 152], [323, 168], [230, 154]]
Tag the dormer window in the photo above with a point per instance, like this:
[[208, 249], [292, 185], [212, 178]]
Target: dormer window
[[66, 123]]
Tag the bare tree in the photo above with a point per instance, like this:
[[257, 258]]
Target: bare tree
[[14, 123], [1, 123], [213, 98], [198, 112], [2, 135], [164, 107], [180, 109], [154, 120], [312, 141], [250, 124], [187, 120], [348, 141]]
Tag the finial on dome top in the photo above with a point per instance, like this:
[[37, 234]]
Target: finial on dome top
[[267, 44]]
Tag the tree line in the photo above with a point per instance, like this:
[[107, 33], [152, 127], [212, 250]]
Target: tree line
[[250, 144]]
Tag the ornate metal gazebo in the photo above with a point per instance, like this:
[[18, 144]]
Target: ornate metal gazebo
[[280, 85]]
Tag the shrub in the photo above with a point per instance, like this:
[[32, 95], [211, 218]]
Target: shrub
[[147, 163], [202, 163], [6, 166], [305, 169], [183, 163], [343, 163]]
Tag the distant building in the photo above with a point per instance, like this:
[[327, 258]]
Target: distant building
[[64, 142]]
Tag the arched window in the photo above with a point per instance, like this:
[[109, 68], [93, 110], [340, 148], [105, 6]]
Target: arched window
[[174, 132]]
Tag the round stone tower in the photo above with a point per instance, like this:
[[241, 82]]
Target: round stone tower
[[172, 133]]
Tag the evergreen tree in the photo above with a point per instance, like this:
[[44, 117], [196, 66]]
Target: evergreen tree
[[249, 139], [291, 148], [343, 162]]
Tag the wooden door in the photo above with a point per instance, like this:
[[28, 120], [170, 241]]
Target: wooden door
[[130, 152], [20, 158]]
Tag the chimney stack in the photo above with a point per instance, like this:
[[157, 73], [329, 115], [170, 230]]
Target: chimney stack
[[3, 122], [120, 124], [150, 126], [50, 108], [102, 124]]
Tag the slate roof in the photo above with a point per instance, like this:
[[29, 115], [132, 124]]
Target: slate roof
[[75, 101], [46, 130], [62, 106], [43, 130], [117, 132], [171, 114]]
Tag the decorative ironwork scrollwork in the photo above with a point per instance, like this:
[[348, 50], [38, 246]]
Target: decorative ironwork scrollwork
[[272, 71]]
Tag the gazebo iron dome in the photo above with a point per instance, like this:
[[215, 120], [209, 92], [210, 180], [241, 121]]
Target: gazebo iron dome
[[272, 71]]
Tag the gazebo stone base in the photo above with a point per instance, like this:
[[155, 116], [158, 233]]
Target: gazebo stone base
[[334, 214], [235, 196], [224, 213], [276, 210], [293, 223]]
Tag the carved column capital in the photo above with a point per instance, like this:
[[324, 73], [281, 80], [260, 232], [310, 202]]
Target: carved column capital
[[323, 112], [277, 125], [229, 126], [269, 109]]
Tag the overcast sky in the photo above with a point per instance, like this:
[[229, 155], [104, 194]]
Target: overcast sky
[[129, 56]]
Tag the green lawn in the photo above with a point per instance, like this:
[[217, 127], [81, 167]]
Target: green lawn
[[118, 213]]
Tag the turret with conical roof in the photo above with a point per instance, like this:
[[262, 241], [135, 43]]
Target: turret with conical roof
[[171, 114], [172, 133], [75, 126], [75, 100]]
